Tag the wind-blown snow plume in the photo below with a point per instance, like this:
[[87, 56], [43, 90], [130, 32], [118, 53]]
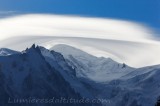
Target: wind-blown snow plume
[[123, 41]]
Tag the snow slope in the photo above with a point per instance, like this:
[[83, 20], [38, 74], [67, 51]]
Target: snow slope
[[40, 72], [57, 61], [99, 69], [6, 52], [29, 75], [119, 83]]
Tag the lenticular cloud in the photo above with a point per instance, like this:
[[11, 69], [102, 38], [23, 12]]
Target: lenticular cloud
[[122, 41]]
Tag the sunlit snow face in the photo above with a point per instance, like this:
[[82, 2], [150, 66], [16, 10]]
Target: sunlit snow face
[[123, 41]]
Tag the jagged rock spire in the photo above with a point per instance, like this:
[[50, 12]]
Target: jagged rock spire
[[33, 46]]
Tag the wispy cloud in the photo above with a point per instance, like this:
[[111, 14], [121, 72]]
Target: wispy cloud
[[75, 27], [121, 40], [7, 13]]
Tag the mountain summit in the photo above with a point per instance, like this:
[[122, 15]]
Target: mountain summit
[[68, 72], [99, 69], [28, 75]]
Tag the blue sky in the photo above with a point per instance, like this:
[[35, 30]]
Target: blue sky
[[143, 11]]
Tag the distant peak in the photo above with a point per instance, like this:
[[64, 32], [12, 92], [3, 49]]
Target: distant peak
[[5, 52], [33, 46], [67, 50], [64, 46]]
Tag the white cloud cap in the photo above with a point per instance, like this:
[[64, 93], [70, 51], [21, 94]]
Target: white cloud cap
[[123, 41]]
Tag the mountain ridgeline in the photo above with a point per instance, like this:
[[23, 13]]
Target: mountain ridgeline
[[64, 73], [28, 74]]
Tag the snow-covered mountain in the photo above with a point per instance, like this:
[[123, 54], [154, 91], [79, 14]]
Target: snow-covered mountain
[[57, 61], [28, 74], [68, 72], [6, 52], [121, 84], [88, 66]]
